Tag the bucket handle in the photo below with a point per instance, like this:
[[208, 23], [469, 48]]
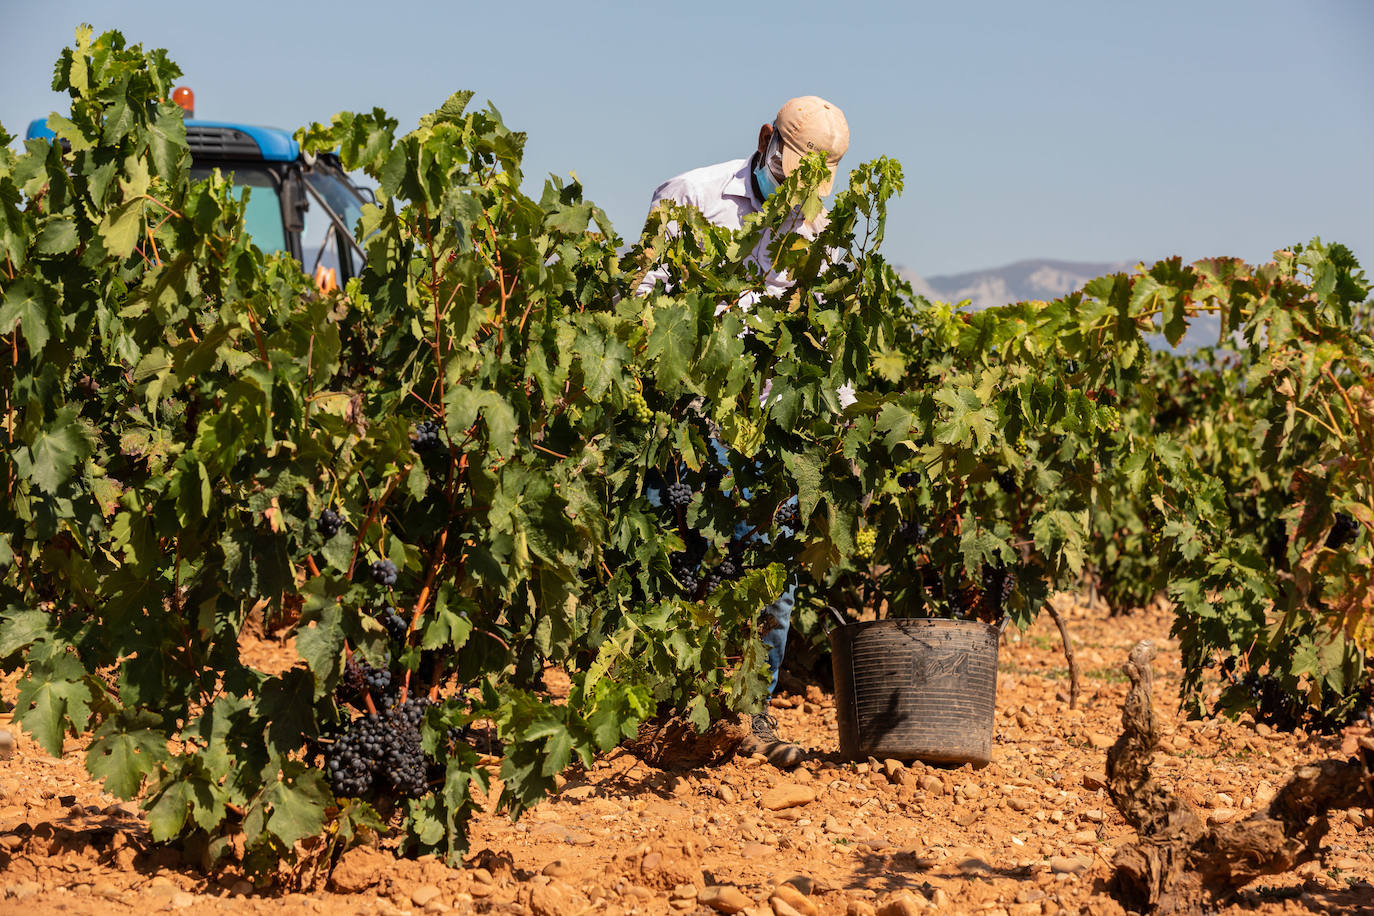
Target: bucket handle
[[839, 620]]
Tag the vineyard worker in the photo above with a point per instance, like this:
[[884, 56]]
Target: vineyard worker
[[725, 194]]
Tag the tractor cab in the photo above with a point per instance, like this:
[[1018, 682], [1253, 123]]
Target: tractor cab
[[302, 204]]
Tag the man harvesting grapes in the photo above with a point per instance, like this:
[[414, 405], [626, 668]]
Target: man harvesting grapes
[[725, 194]]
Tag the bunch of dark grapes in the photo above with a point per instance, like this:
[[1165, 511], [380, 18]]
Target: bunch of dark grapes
[[998, 584], [908, 479], [361, 679], [328, 523], [1343, 531], [965, 601], [383, 572], [382, 753], [1272, 704], [679, 495], [788, 515], [1006, 479], [426, 436], [685, 569], [395, 624], [725, 571], [911, 533]]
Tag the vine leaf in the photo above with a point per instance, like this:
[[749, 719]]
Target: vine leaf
[[124, 758]]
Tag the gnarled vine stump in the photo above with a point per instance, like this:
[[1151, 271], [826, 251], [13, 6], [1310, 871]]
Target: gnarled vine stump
[[1180, 864]]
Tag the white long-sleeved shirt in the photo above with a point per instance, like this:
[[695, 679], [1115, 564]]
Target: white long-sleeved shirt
[[724, 194]]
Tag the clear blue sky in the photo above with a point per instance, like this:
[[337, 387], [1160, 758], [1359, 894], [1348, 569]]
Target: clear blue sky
[[1082, 131]]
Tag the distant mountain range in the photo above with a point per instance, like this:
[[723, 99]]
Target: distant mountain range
[[1035, 279], [1040, 279]]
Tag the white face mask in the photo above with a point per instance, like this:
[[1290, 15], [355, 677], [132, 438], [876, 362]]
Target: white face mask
[[769, 168]]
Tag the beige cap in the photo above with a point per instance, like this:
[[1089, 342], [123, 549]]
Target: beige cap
[[809, 124]]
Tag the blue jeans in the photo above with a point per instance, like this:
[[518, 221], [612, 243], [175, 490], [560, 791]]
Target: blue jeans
[[775, 637]]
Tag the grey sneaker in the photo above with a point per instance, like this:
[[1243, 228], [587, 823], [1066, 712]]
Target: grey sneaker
[[764, 740]]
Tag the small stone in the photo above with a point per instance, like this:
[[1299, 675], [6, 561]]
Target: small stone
[[437, 906], [795, 899], [931, 784], [966, 815], [940, 898], [974, 865], [684, 892], [1094, 815], [556, 869], [892, 768], [107, 890], [802, 883], [903, 903], [1221, 815], [859, 908], [241, 888], [781, 907], [1100, 742], [481, 890], [1068, 865], [1094, 781], [723, 898], [578, 793], [360, 868], [725, 794], [557, 898], [788, 795], [1085, 837], [756, 851], [423, 894], [7, 744], [181, 900], [1029, 895]]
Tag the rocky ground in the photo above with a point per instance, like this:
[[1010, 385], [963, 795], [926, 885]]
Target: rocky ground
[[1033, 832]]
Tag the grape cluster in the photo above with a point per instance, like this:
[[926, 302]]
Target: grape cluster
[[686, 566], [865, 541], [639, 408], [911, 533], [382, 752], [1006, 479], [361, 679], [908, 479], [426, 436], [679, 495], [1343, 531], [395, 624], [788, 515], [998, 584], [328, 523], [383, 572]]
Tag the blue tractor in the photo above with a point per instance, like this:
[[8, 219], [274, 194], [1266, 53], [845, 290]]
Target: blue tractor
[[305, 205]]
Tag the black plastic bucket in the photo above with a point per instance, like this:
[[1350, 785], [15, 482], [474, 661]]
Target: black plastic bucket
[[916, 689]]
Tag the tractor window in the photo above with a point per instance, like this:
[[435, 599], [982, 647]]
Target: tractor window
[[263, 217], [322, 242]]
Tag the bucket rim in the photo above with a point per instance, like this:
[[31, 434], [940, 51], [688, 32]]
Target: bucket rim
[[858, 625]]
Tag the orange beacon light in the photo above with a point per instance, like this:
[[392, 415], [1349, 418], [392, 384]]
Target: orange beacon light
[[184, 97]]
